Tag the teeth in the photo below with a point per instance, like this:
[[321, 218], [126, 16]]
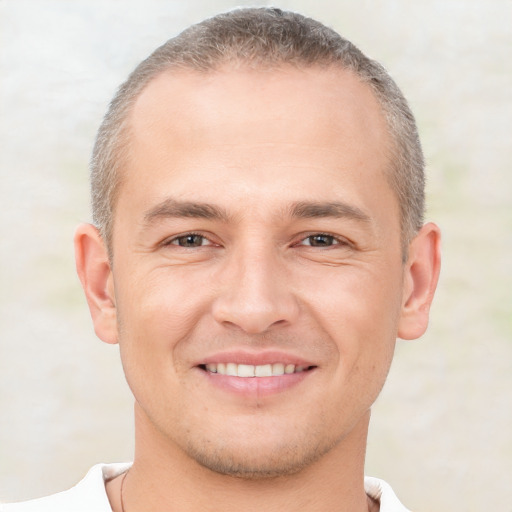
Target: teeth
[[278, 369], [245, 370], [289, 368], [249, 370], [264, 370]]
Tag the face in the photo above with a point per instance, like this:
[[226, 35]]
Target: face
[[257, 268]]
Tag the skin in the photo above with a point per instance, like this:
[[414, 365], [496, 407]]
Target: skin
[[269, 153]]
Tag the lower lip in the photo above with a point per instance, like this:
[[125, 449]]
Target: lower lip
[[257, 386]]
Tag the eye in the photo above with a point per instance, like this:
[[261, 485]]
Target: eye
[[320, 240], [190, 240]]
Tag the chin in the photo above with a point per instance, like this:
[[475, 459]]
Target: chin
[[256, 462]]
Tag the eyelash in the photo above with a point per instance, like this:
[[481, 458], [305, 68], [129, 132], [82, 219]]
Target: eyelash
[[174, 240], [336, 241]]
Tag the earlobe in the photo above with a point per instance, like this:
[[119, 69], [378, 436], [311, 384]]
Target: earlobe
[[420, 281], [94, 271]]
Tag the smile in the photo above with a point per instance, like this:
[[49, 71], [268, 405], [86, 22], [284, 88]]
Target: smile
[[249, 370], [254, 375]]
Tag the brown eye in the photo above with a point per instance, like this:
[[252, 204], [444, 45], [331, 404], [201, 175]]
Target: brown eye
[[190, 240], [320, 240]]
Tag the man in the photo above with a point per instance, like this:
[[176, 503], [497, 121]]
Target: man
[[258, 246]]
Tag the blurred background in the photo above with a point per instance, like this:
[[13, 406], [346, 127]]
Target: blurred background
[[441, 431]]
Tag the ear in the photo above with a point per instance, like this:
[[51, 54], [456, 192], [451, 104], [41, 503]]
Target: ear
[[420, 281], [93, 268]]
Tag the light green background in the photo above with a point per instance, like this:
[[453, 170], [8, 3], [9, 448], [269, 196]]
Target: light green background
[[442, 430]]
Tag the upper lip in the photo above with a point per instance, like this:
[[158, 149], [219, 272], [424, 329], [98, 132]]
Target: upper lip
[[254, 358]]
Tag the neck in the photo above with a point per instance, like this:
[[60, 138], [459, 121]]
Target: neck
[[164, 478]]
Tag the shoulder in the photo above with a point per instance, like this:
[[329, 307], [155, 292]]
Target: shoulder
[[383, 493], [88, 495]]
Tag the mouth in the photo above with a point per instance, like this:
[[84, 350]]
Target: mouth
[[254, 376], [254, 371]]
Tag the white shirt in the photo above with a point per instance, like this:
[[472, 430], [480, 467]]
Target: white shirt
[[89, 495]]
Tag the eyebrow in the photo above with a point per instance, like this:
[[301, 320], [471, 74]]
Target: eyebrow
[[172, 208], [309, 210], [183, 209]]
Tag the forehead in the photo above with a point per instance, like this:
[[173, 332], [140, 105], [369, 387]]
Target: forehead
[[256, 132], [184, 101]]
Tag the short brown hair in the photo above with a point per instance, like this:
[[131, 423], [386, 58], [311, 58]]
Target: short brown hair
[[259, 37]]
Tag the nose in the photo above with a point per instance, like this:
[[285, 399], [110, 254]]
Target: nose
[[255, 295]]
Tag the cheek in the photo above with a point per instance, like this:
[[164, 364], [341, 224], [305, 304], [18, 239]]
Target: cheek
[[359, 307], [355, 297], [154, 320], [156, 313], [162, 298]]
